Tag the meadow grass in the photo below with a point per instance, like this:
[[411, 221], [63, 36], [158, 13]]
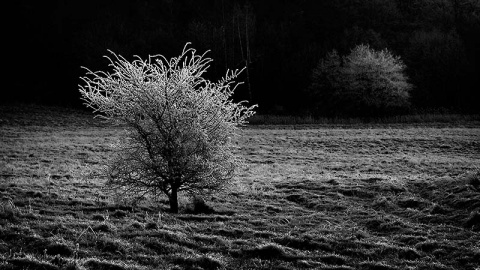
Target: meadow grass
[[393, 196], [426, 118]]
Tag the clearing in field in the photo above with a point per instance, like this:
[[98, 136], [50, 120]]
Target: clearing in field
[[324, 197]]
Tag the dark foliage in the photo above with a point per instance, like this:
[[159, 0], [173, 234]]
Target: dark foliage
[[279, 42]]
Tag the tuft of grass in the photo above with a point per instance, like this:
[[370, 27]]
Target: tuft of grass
[[9, 212], [151, 225], [34, 194], [119, 214], [203, 217], [384, 225], [376, 266], [211, 240], [61, 261], [407, 253], [428, 245], [268, 252], [112, 246], [158, 246], [408, 239], [337, 267], [135, 225], [434, 266], [473, 221], [73, 266], [333, 259], [473, 179], [412, 202], [199, 206], [96, 264], [30, 262], [104, 227], [59, 249], [303, 243], [204, 262], [98, 217], [24, 239]]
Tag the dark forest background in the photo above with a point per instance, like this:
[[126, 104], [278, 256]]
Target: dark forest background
[[280, 42]]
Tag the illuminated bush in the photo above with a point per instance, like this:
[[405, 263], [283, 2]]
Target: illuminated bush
[[365, 82], [179, 126]]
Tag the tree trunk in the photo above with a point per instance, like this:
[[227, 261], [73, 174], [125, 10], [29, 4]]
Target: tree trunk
[[173, 199]]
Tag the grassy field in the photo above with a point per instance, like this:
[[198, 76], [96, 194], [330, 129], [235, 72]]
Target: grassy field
[[378, 196]]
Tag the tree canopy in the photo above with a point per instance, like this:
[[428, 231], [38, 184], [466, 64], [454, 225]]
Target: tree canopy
[[179, 125], [364, 82]]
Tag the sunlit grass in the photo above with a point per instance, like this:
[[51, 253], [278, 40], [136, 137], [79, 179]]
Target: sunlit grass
[[357, 197], [419, 118]]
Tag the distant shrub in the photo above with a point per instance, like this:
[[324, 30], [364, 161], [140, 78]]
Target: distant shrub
[[366, 82]]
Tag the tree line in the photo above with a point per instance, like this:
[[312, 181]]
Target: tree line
[[279, 42]]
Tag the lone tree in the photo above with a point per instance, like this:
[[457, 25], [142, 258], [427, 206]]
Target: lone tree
[[365, 82], [179, 126]]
